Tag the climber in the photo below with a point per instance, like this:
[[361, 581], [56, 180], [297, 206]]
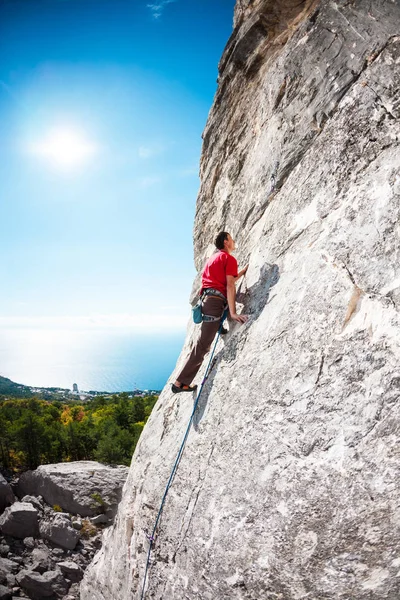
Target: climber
[[218, 289]]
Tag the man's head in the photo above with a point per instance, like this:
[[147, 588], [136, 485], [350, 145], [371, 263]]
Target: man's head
[[224, 241]]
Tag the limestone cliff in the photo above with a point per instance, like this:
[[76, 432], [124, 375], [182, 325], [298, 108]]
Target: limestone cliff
[[288, 488]]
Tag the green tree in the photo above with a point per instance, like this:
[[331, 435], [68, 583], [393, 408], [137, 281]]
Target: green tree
[[28, 432], [138, 413], [122, 413], [115, 445]]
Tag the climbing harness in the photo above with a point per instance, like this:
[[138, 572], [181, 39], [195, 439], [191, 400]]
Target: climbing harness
[[197, 310], [152, 537], [273, 177]]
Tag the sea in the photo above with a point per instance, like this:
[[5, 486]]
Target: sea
[[112, 361]]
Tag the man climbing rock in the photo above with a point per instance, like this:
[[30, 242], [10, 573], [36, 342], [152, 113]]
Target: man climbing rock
[[218, 290]]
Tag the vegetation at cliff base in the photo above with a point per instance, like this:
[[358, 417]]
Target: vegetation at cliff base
[[35, 431]]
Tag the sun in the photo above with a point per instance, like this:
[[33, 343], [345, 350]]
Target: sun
[[66, 148]]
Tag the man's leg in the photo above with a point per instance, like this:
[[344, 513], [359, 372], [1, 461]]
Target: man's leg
[[214, 307]]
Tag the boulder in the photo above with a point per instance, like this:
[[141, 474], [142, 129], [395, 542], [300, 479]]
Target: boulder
[[6, 494], [99, 520], [10, 581], [59, 531], [7, 567], [5, 593], [74, 592], [20, 520], [29, 542], [83, 487], [41, 560], [36, 502], [38, 586], [71, 570], [77, 524]]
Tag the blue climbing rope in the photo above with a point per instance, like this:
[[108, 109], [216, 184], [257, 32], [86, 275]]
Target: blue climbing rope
[[178, 458]]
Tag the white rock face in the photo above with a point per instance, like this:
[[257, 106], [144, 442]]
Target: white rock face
[[72, 486], [288, 487]]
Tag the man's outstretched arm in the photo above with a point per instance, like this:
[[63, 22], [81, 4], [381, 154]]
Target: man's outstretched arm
[[241, 273], [230, 280]]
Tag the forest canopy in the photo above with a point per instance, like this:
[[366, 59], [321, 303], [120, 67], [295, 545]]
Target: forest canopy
[[35, 431]]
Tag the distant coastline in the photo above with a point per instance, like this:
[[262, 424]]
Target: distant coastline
[[102, 360], [10, 389]]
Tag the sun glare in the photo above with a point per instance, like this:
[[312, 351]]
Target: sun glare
[[65, 148]]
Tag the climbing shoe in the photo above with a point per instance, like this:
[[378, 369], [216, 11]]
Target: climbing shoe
[[183, 388]]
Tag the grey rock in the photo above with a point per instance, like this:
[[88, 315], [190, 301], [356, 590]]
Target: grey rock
[[29, 542], [10, 580], [36, 502], [19, 520], [4, 550], [41, 560], [59, 531], [74, 590], [38, 586], [288, 485], [77, 524], [7, 567], [6, 494], [16, 559], [5, 593], [71, 570], [72, 485], [64, 515], [99, 519]]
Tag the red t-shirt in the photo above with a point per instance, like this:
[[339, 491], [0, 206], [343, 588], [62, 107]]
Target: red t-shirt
[[217, 268]]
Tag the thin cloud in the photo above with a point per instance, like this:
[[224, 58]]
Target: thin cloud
[[189, 172], [163, 321], [147, 182], [158, 8], [149, 151]]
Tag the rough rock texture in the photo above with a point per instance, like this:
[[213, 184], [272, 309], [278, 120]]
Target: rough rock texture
[[6, 494], [72, 485], [288, 487], [20, 520], [7, 567], [36, 502], [60, 545], [71, 570], [60, 531], [49, 585], [5, 593]]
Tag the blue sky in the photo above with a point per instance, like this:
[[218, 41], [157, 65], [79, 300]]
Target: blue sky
[[106, 242]]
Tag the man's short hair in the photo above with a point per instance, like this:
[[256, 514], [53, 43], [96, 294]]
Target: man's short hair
[[220, 239]]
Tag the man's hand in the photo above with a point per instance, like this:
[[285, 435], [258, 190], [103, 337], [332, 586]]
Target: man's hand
[[243, 272], [240, 318]]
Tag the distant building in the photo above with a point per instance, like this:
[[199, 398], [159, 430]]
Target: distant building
[[75, 388]]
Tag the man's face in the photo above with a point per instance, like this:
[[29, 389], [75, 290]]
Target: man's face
[[229, 244]]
